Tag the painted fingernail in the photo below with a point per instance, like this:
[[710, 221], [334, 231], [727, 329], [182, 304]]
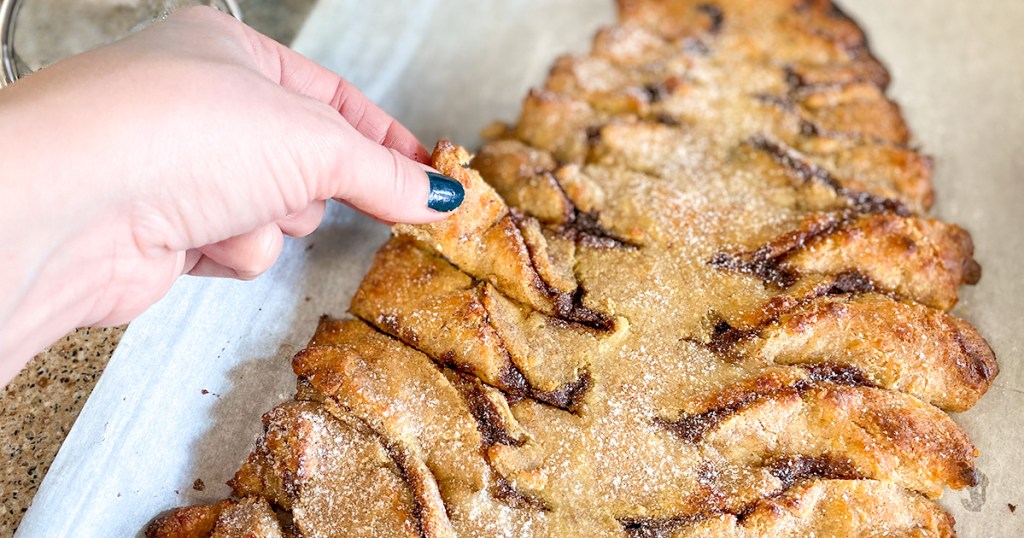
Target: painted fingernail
[[446, 194]]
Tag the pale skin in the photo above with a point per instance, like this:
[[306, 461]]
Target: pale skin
[[192, 147]]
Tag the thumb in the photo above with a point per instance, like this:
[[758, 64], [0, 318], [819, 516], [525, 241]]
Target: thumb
[[384, 183]]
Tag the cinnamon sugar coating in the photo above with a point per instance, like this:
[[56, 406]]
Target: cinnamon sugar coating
[[692, 291]]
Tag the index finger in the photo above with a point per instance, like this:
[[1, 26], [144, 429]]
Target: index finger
[[301, 75]]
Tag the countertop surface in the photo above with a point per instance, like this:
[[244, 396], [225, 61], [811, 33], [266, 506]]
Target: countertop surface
[[38, 408]]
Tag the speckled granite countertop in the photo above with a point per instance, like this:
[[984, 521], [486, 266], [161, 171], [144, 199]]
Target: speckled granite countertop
[[39, 407]]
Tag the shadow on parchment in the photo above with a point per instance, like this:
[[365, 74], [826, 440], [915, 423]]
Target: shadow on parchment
[[324, 271]]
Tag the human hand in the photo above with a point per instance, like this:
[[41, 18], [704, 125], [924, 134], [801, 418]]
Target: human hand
[[190, 147]]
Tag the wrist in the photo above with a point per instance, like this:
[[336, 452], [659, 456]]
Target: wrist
[[50, 241]]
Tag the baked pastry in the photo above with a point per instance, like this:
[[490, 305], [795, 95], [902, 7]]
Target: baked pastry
[[691, 292]]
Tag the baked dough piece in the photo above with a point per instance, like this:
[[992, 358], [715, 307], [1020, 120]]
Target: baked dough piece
[[297, 464], [691, 292], [249, 517], [828, 508]]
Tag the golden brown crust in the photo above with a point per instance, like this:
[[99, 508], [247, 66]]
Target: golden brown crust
[[440, 424], [824, 413], [472, 327], [188, 522], [920, 259], [895, 344], [333, 474], [249, 517], [829, 508], [523, 177], [690, 292], [485, 240], [492, 244]]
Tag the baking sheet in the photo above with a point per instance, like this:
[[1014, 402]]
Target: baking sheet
[[181, 398]]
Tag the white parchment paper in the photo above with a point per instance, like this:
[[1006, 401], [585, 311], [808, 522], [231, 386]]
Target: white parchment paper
[[183, 393]]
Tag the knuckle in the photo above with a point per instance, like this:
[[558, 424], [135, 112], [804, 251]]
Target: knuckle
[[262, 255], [392, 134], [403, 179]]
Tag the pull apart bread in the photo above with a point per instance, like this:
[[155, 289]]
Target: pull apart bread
[[691, 292]]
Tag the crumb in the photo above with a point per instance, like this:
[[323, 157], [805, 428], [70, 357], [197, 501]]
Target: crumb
[[205, 392], [198, 485], [308, 298], [309, 247], [1012, 507]]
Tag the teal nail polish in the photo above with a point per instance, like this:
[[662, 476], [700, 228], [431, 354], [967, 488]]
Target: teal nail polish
[[446, 194]]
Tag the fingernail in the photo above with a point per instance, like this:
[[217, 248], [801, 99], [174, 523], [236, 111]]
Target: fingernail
[[446, 194]]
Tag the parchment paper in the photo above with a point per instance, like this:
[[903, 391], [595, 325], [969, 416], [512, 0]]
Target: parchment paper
[[182, 395]]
